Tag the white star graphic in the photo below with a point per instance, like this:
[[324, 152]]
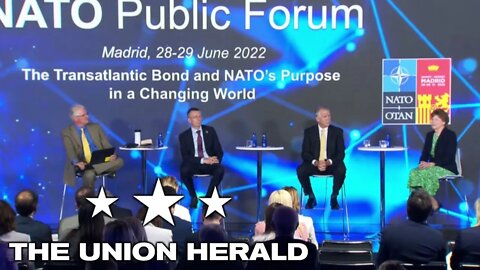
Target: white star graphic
[[215, 203], [102, 203], [158, 204]]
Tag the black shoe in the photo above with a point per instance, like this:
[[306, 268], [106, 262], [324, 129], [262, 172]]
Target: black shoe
[[194, 202], [334, 203], [311, 203]]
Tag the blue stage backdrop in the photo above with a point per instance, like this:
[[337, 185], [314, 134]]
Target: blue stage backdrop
[[55, 39]]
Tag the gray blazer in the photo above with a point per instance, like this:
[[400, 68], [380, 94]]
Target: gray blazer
[[74, 149]]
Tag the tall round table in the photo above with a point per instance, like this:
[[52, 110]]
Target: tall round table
[[382, 151], [259, 151], [143, 150]]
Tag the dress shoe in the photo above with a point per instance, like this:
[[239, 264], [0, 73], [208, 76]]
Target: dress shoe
[[194, 202], [311, 203], [334, 203]]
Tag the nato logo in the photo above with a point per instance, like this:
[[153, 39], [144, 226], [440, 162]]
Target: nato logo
[[399, 75]]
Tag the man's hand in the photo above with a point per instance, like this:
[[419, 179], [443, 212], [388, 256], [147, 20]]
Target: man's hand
[[81, 165], [322, 165], [113, 157], [211, 160]]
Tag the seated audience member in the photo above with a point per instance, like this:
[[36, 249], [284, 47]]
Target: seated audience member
[[8, 233], [467, 244], [89, 231], [180, 210], [26, 203], [210, 233], [6, 261], [182, 230], [69, 223], [391, 265], [269, 232], [413, 241], [285, 221], [137, 228], [119, 231], [155, 232], [303, 220], [117, 211], [282, 197]]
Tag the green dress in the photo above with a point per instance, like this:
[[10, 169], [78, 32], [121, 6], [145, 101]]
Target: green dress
[[428, 178]]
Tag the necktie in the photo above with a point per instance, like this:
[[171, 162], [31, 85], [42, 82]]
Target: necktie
[[199, 144], [323, 145], [86, 147]]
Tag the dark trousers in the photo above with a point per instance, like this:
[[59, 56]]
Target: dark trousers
[[187, 170], [305, 170]]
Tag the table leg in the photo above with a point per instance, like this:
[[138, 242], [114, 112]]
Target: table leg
[[144, 170], [259, 183], [382, 190]]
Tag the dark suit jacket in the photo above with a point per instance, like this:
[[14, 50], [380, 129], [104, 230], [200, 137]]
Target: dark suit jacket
[[310, 263], [120, 212], [38, 231], [467, 247], [210, 138], [445, 150], [181, 232], [335, 145], [74, 149], [411, 242]]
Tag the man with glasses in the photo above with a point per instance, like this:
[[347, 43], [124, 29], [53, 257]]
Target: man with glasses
[[80, 140]]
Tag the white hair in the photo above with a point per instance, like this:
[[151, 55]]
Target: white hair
[[76, 108]]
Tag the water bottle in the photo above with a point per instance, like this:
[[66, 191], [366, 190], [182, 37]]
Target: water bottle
[[138, 136], [264, 140], [388, 140], [254, 139], [160, 140]]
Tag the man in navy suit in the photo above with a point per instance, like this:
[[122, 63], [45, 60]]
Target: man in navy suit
[[26, 203], [413, 241], [201, 154], [323, 151]]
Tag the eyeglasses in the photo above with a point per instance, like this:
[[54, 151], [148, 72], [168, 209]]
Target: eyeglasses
[[82, 115]]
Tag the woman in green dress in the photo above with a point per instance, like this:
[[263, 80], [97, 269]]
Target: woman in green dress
[[438, 156]]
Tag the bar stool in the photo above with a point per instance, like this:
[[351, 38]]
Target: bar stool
[[345, 216], [77, 177]]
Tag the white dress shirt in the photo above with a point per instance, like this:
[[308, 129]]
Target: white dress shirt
[[320, 136], [158, 235]]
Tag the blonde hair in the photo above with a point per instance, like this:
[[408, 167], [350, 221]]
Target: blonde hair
[[169, 181], [294, 194], [280, 196], [477, 211]]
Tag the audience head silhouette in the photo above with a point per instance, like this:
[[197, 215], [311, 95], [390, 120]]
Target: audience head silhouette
[[419, 206], [7, 218], [26, 202], [285, 221]]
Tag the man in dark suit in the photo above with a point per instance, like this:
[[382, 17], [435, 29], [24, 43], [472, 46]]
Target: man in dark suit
[[201, 154], [413, 241], [323, 151], [80, 140], [117, 211], [285, 221], [26, 203], [467, 244]]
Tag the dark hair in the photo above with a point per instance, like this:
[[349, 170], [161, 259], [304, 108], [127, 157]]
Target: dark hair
[[391, 265], [90, 228], [269, 210], [118, 231], [419, 206], [285, 221], [26, 202], [441, 114], [212, 216], [7, 218], [142, 213], [137, 228], [193, 109], [212, 233], [82, 194]]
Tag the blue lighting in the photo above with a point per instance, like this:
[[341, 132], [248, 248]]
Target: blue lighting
[[351, 47], [463, 206], [355, 134], [467, 66], [281, 85], [476, 113], [360, 32], [135, 154], [190, 61], [264, 192], [22, 63]]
